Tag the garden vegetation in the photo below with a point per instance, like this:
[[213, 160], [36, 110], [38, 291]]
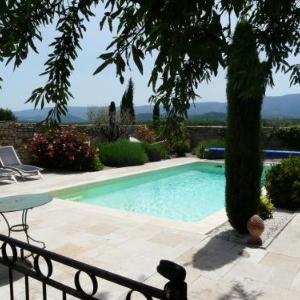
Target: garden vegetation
[[283, 184], [7, 115], [156, 152], [122, 153], [199, 150], [65, 149], [290, 137]]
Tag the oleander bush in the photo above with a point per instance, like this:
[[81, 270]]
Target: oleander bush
[[156, 152], [65, 149], [122, 153], [199, 150], [283, 184], [265, 208]]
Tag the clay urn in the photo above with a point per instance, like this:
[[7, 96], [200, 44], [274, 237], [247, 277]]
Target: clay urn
[[255, 226]]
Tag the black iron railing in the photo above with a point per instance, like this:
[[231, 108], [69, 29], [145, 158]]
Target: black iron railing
[[175, 289]]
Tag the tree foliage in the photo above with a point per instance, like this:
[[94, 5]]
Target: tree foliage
[[127, 106], [245, 91], [187, 39], [7, 115]]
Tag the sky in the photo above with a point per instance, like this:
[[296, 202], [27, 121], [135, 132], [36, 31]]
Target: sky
[[101, 89]]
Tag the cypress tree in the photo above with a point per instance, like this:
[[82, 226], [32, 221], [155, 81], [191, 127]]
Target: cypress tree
[[245, 91], [112, 112], [156, 116], [112, 132], [127, 107]]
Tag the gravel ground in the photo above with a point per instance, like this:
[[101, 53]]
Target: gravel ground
[[272, 228]]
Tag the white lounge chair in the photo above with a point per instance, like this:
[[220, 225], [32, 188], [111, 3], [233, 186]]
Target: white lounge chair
[[6, 174], [10, 160]]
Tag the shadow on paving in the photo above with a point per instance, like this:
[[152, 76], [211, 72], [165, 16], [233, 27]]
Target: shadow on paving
[[4, 279], [238, 292], [217, 253]]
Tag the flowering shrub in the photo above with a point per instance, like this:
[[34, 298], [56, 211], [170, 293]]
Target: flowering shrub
[[65, 149], [144, 134]]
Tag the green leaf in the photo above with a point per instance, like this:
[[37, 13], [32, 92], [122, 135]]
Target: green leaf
[[106, 55], [136, 58], [102, 66]]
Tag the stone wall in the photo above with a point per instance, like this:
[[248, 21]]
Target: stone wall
[[20, 135], [197, 134]]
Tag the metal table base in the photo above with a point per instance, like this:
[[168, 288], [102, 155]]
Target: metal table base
[[22, 227]]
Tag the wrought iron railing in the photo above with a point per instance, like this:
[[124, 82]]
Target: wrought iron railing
[[175, 289]]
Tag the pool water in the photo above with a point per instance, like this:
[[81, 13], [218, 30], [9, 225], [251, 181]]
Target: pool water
[[185, 193]]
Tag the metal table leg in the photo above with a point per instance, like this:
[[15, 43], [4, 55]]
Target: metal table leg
[[25, 228], [7, 224]]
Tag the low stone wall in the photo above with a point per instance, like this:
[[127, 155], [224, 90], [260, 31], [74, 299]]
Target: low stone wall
[[197, 134], [20, 135]]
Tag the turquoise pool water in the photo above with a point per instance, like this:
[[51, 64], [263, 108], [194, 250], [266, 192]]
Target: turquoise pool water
[[185, 193]]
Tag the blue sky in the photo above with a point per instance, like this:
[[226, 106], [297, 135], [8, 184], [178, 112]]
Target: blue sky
[[99, 90]]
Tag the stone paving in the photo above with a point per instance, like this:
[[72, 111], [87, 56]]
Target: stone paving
[[132, 245]]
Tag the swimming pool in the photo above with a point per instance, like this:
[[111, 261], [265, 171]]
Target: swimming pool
[[185, 193]]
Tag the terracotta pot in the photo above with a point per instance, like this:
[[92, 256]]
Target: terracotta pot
[[255, 226]]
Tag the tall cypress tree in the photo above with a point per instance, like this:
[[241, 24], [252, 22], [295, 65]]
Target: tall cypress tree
[[112, 113], [127, 107], [156, 116], [245, 91]]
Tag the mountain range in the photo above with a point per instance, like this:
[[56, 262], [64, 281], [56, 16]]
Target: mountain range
[[284, 107]]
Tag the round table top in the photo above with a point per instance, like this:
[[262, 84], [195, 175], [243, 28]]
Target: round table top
[[22, 202]]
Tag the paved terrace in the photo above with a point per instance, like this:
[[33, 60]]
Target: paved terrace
[[132, 245]]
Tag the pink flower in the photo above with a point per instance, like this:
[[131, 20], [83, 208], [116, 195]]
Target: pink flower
[[51, 153]]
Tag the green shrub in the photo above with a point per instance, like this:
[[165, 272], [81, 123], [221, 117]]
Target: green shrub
[[181, 147], [174, 132], [7, 115], [283, 184], [65, 149], [123, 153], [155, 152], [199, 150], [265, 208], [290, 137]]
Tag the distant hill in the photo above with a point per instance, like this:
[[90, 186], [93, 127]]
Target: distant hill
[[40, 115], [287, 106]]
